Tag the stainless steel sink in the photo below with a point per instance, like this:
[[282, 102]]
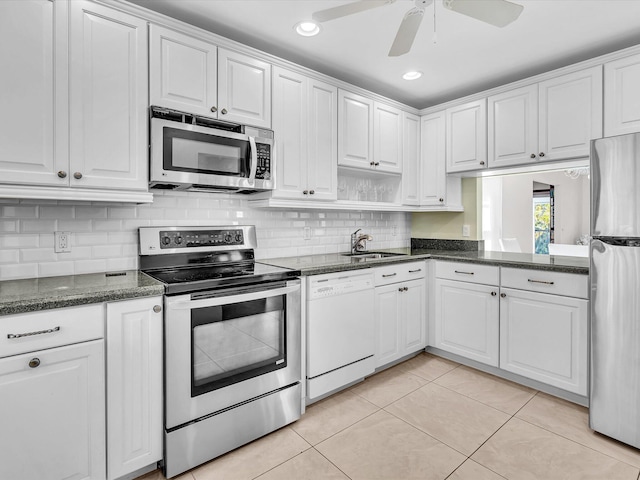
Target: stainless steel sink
[[364, 256]]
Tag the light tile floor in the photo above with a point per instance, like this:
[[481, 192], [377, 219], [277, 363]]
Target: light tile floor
[[430, 418]]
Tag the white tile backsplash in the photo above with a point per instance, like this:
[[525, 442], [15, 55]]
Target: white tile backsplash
[[104, 237]]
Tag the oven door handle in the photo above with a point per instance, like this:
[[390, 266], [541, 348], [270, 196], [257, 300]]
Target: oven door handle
[[254, 161], [180, 304]]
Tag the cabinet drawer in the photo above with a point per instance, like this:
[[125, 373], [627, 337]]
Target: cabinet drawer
[[557, 283], [28, 332], [399, 272], [468, 272]]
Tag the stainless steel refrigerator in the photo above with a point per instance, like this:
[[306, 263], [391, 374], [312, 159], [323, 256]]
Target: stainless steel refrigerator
[[614, 408]]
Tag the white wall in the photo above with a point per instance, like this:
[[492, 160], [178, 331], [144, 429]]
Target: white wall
[[509, 199], [105, 237]]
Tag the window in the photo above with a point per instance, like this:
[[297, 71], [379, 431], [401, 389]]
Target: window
[[543, 221]]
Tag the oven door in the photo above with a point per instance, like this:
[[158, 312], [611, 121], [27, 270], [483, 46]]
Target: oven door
[[226, 347], [188, 154]]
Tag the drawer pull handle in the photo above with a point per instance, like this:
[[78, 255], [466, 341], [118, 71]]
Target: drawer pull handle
[[464, 273], [415, 271], [29, 334], [540, 281], [389, 275]]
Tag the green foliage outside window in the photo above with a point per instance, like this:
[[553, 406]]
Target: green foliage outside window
[[542, 224]]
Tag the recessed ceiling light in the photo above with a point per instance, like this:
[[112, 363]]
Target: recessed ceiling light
[[412, 75], [307, 29]]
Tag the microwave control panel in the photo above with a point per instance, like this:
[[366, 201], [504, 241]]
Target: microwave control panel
[[190, 239], [263, 171]]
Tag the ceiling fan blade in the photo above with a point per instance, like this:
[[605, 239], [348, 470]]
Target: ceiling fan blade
[[348, 9], [407, 32], [499, 13]]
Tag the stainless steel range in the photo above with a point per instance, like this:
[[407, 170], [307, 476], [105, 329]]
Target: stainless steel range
[[232, 340]]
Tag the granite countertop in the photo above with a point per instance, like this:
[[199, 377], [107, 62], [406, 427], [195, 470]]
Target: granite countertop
[[337, 262], [20, 296]]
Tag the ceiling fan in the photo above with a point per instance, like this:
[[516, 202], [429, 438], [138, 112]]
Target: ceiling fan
[[494, 12]]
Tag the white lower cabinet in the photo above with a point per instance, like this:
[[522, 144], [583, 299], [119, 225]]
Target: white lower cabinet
[[467, 320], [53, 397], [134, 385], [400, 312], [544, 337]]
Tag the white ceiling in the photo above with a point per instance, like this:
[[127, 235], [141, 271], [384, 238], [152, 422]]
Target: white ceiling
[[468, 56]]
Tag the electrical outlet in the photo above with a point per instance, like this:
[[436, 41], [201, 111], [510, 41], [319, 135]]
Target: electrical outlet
[[306, 233], [466, 230], [62, 242]]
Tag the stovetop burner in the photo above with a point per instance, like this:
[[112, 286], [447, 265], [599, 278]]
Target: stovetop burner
[[186, 266]]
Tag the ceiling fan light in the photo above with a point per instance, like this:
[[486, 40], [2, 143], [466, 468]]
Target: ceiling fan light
[[413, 75], [307, 29]]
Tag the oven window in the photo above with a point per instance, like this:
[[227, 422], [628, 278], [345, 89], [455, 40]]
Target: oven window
[[196, 152], [235, 342]]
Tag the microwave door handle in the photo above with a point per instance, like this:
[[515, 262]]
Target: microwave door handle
[[254, 161], [226, 300]]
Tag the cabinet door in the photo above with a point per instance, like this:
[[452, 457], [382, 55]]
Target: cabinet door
[[570, 114], [544, 337], [513, 127], [388, 324], [290, 117], [108, 98], [466, 320], [53, 413], [467, 136], [414, 316], [244, 89], [134, 385], [387, 146], [411, 159], [182, 72], [322, 141], [355, 130], [33, 125], [433, 175], [622, 96]]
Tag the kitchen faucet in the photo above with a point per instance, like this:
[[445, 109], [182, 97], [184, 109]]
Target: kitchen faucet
[[359, 242]]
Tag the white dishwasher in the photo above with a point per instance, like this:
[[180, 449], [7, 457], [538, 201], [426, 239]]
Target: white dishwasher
[[340, 330]]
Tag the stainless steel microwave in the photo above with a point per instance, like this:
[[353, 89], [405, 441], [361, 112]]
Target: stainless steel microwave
[[190, 152]]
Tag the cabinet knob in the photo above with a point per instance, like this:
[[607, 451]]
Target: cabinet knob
[[376, 164], [493, 294], [441, 200], [34, 362], [214, 109], [541, 154], [482, 162], [77, 175], [62, 174], [400, 289], [224, 111], [305, 192], [533, 155], [157, 308], [311, 192], [372, 163], [503, 295]]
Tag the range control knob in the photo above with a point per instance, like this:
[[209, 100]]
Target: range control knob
[[238, 238], [178, 240], [166, 240], [228, 238]]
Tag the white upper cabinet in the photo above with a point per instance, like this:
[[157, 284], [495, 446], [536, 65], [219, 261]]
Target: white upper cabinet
[[513, 127], [622, 96], [570, 114], [305, 126], [194, 76], [369, 134], [433, 175], [387, 143], [32, 44], [355, 130], [108, 98], [183, 72], [411, 159], [466, 132], [551, 120]]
